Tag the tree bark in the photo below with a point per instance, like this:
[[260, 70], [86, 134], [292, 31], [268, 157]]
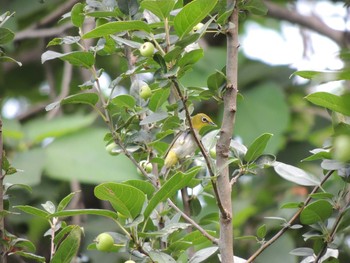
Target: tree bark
[[222, 148]]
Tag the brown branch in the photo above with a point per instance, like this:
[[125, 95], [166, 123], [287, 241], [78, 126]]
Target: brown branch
[[201, 147], [312, 22], [226, 131], [290, 222], [42, 33], [55, 15], [193, 223]]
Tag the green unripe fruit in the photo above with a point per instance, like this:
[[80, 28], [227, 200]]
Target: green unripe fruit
[[104, 242], [147, 49], [146, 166], [129, 261], [212, 153], [145, 92], [341, 147], [110, 147], [197, 27]]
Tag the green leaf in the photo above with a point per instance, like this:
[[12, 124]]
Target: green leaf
[[6, 35], [330, 101], [76, 58], [126, 101], [203, 254], [158, 98], [127, 42], [74, 212], [302, 252], [29, 256], [256, 7], [116, 27], [295, 174], [65, 201], [77, 15], [56, 127], [257, 147], [322, 195], [68, 249], [33, 211], [261, 232], [128, 7], [144, 186], [317, 211], [169, 188], [32, 162], [274, 119], [157, 256], [191, 239], [81, 149], [292, 205], [154, 117], [323, 76], [68, 40], [124, 198], [9, 59], [160, 8], [191, 58], [167, 230], [216, 81], [192, 14]]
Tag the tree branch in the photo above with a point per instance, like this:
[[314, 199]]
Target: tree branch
[[42, 33], [312, 22], [201, 147], [193, 223], [290, 222], [226, 131]]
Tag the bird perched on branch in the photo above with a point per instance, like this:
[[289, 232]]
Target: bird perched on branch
[[184, 144]]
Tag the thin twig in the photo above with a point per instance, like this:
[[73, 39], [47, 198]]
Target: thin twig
[[194, 223], [290, 222], [42, 33], [200, 145], [311, 22]]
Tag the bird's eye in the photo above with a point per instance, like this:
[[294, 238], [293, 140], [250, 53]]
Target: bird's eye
[[204, 119]]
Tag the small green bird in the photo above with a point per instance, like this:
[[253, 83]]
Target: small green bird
[[184, 144]]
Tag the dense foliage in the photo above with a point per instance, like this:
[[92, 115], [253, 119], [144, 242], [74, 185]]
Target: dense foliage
[[103, 87]]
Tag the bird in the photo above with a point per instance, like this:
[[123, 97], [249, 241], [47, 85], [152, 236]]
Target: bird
[[184, 143]]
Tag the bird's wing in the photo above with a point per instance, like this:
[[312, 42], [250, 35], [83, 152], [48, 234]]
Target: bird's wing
[[178, 140]]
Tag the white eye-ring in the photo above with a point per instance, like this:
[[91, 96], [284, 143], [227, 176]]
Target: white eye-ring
[[204, 119]]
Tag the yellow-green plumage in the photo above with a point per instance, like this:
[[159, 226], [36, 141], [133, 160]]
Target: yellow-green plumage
[[185, 144]]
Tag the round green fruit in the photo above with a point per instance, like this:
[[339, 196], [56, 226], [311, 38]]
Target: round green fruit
[[146, 166], [212, 153], [145, 92], [341, 147], [104, 242], [197, 27], [110, 147], [147, 49]]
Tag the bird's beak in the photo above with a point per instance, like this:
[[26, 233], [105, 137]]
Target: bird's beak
[[212, 123]]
